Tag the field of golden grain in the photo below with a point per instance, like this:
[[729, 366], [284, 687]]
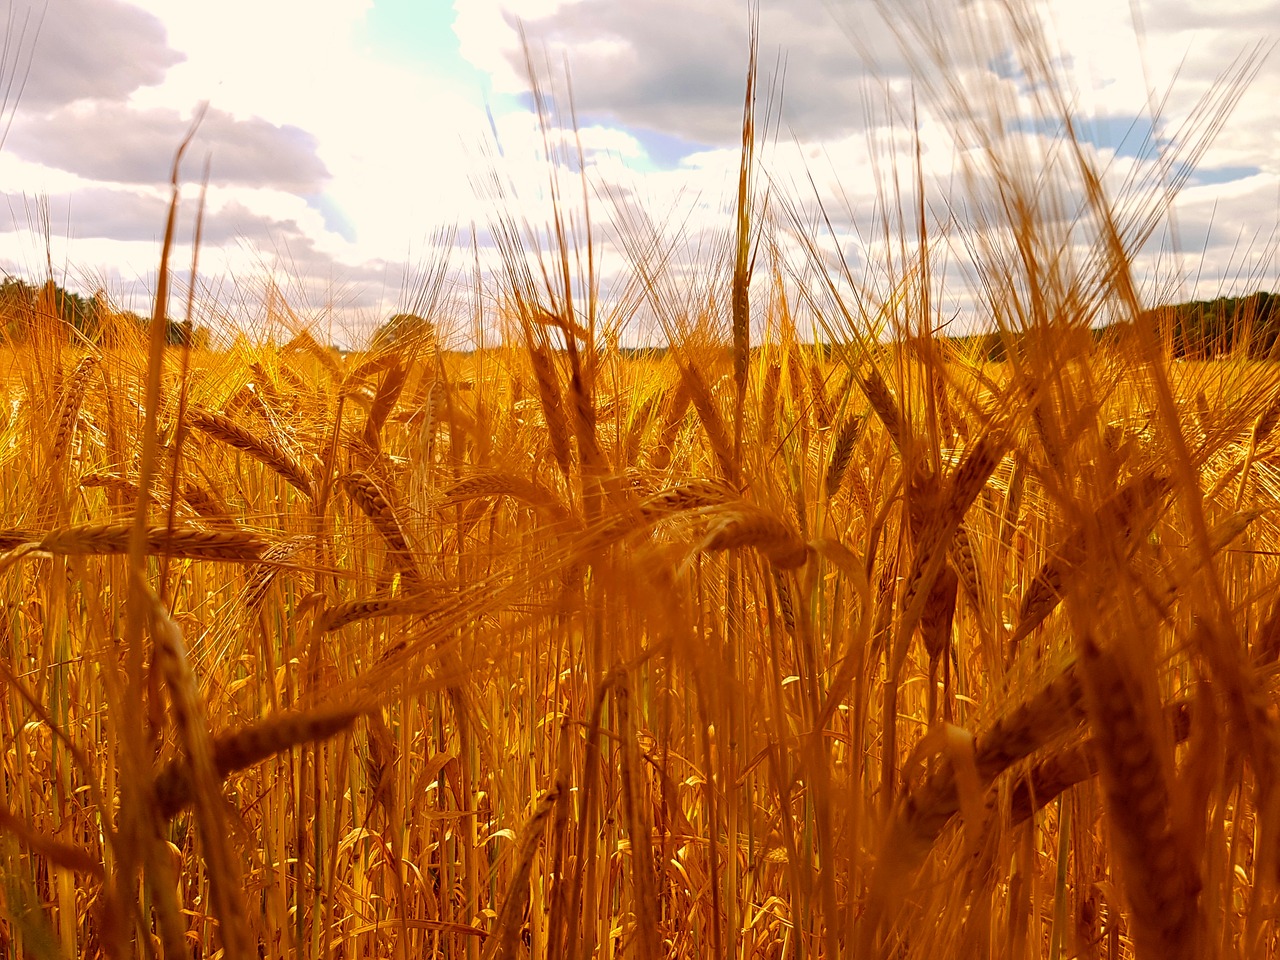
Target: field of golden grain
[[748, 648], [522, 653]]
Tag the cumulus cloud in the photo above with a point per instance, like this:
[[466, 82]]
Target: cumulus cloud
[[84, 49], [92, 212], [680, 68], [108, 213], [358, 158], [119, 144], [676, 70]]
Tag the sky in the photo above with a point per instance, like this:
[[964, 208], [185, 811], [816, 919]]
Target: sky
[[354, 145]]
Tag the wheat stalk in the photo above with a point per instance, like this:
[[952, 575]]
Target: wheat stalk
[[69, 408], [641, 420], [12, 538], [966, 482], [209, 506], [920, 815], [368, 496], [497, 484], [924, 812], [265, 384], [712, 422], [822, 411], [674, 408], [265, 451], [1062, 770], [68, 856], [1161, 882], [384, 401], [122, 487], [297, 383], [769, 402], [370, 364], [246, 746], [885, 406], [428, 600], [193, 734], [1125, 517], [507, 932], [842, 453], [260, 576], [304, 342], [691, 495], [183, 542], [747, 526], [966, 563], [548, 384]]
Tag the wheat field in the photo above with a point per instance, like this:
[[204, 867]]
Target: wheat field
[[814, 634]]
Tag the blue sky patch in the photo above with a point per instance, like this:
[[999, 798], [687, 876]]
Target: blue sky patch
[[335, 221], [419, 35], [1215, 175], [1127, 136], [665, 151]]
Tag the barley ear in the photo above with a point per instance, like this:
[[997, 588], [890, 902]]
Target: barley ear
[[365, 493], [1161, 882]]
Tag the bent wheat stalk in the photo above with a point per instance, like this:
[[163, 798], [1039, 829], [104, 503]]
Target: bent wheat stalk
[[188, 543], [1061, 771], [749, 526], [518, 488], [265, 451], [1161, 882], [368, 496], [239, 749], [920, 816]]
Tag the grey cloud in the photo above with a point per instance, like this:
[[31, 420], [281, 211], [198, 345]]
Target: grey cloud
[[1225, 217], [113, 214], [92, 213], [1176, 17], [115, 143], [680, 68], [83, 49]]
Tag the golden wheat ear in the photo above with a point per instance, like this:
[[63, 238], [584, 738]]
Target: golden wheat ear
[[69, 408], [365, 493], [1161, 883], [265, 451], [920, 815], [749, 526], [186, 542], [247, 746]]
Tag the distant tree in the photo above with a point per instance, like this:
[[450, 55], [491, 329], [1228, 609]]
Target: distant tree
[[176, 334], [17, 301], [1205, 329], [402, 329], [23, 304]]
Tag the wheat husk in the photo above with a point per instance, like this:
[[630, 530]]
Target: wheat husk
[[184, 542], [270, 454], [1161, 883]]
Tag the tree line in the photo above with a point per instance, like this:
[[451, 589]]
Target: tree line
[[25, 306], [1197, 330], [1207, 329]]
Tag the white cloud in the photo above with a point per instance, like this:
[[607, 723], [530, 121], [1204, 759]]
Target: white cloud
[[122, 144], [333, 161], [70, 50]]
